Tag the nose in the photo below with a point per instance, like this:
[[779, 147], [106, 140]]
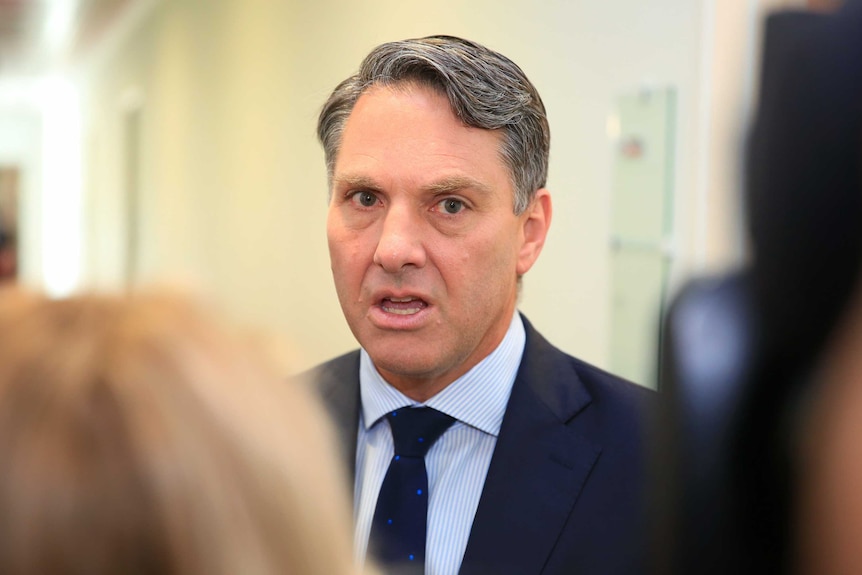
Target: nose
[[400, 244]]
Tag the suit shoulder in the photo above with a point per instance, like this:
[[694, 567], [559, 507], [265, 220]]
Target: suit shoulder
[[330, 375], [600, 382], [620, 412], [334, 365], [571, 381]]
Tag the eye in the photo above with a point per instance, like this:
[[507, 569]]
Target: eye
[[451, 205], [364, 199]]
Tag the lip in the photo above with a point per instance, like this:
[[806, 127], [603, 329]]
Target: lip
[[400, 310]]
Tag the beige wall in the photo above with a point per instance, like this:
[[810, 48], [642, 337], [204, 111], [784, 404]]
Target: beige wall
[[233, 188]]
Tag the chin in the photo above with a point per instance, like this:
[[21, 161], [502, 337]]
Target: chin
[[408, 366]]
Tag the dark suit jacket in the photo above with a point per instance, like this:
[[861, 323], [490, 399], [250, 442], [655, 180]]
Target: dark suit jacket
[[563, 494]]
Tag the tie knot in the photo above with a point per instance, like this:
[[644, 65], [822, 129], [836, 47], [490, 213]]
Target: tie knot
[[415, 429]]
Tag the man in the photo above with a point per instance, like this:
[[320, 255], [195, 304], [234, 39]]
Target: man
[[437, 153]]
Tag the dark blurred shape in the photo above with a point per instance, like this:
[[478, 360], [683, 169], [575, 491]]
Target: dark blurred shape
[[804, 195], [740, 350], [706, 365], [8, 256]]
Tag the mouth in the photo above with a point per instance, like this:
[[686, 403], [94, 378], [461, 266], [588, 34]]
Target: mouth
[[402, 305]]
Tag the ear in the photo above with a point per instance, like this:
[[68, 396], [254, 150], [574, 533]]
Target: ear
[[535, 222]]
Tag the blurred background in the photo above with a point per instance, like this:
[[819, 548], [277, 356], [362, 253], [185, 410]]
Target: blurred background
[[173, 141]]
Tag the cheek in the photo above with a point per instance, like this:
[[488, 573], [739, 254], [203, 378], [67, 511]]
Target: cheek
[[345, 261], [347, 276], [345, 244], [484, 265], [496, 253], [351, 255], [341, 256]]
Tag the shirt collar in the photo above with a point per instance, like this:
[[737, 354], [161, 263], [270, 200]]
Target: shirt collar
[[477, 398]]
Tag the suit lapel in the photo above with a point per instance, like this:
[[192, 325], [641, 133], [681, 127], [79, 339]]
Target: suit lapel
[[538, 468], [338, 386]]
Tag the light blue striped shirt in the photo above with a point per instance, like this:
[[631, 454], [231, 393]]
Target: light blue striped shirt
[[457, 463]]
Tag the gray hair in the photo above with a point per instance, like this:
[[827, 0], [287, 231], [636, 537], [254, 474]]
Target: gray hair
[[485, 90]]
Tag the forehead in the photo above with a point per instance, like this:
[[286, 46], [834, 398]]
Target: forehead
[[406, 100], [408, 127]]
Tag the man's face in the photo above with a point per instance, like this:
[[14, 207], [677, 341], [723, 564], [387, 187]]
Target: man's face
[[424, 245]]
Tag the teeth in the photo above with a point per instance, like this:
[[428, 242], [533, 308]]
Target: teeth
[[401, 311], [409, 305]]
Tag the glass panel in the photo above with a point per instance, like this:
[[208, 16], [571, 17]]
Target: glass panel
[[638, 282], [641, 228]]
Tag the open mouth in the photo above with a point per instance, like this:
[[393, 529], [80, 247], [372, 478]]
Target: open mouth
[[402, 305]]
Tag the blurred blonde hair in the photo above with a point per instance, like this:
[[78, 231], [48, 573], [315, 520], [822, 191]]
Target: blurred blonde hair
[[137, 436]]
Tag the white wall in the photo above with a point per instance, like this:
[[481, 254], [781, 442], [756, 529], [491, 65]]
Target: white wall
[[233, 182]]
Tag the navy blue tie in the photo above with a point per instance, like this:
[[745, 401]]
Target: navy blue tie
[[398, 529]]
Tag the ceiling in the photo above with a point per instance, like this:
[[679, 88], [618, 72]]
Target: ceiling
[[37, 35]]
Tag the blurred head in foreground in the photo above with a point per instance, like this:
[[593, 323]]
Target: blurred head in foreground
[[805, 205], [770, 412], [136, 437]]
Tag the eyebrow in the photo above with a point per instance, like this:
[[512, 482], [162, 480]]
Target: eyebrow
[[456, 183], [356, 182], [444, 186]]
